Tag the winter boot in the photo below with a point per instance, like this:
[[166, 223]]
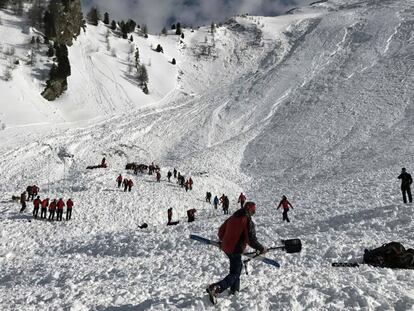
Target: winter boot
[[213, 290]]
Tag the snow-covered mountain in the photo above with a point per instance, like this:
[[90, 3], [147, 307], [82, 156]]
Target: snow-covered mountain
[[316, 105]]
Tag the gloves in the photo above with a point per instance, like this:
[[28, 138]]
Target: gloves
[[264, 251]]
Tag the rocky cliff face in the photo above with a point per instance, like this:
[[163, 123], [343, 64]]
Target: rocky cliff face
[[68, 19], [65, 21]]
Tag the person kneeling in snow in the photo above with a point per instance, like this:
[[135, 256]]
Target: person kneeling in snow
[[191, 214], [234, 234]]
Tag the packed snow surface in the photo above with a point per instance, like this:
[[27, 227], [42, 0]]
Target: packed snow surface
[[316, 105]]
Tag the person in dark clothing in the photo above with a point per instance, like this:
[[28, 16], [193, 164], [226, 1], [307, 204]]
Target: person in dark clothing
[[215, 202], [191, 214], [158, 174], [169, 174], [103, 162], [186, 185], [35, 191], [119, 180], [52, 208], [285, 205], [125, 183], [29, 191], [43, 211], [406, 182], [169, 215], [190, 183], [36, 205], [175, 173], [182, 181], [23, 201], [130, 185], [208, 197], [226, 204], [69, 206], [234, 234]]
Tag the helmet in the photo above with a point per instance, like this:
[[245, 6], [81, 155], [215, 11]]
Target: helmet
[[403, 169], [250, 207]]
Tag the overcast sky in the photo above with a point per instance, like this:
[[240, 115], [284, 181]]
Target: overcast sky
[[159, 13]]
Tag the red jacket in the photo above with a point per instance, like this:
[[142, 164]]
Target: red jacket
[[45, 203], [119, 178], [60, 204], [130, 183], [52, 206], [285, 204], [69, 204], [37, 203], [238, 231], [242, 198]]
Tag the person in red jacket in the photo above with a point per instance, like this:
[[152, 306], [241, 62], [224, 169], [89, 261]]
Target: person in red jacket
[[234, 234], [242, 199], [60, 205], [119, 180], [190, 183], [43, 211], [52, 208], [69, 206], [36, 205], [285, 205]]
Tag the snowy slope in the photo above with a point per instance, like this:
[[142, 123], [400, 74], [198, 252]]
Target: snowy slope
[[316, 105]]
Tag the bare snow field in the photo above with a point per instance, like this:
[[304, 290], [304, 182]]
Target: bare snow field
[[317, 105]]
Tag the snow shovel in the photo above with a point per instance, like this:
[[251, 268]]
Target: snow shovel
[[290, 246]]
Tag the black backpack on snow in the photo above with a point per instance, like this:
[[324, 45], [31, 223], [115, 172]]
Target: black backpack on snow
[[390, 255]]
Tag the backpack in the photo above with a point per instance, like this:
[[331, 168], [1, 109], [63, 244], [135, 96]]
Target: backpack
[[390, 255]]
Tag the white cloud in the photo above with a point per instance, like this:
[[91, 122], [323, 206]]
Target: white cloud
[[158, 13]]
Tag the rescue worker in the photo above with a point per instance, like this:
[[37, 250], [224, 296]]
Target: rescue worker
[[406, 182], [43, 211], [285, 205], [69, 206], [119, 180], [52, 208], [242, 199], [60, 205], [36, 205], [237, 231], [23, 201]]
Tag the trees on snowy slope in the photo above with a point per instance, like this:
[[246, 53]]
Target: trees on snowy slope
[[93, 16]]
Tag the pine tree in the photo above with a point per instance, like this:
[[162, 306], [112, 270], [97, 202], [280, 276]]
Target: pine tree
[[145, 30], [4, 4], [178, 30], [131, 25], [50, 51], [142, 75], [93, 16], [106, 18], [173, 27], [136, 58], [145, 89], [113, 25], [213, 27], [164, 31]]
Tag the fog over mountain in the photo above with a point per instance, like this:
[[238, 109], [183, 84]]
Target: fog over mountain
[[160, 13]]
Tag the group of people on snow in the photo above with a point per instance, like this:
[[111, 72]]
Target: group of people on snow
[[127, 183]]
